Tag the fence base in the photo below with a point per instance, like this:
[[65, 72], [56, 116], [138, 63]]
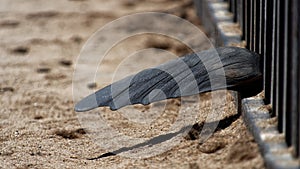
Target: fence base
[[219, 25]]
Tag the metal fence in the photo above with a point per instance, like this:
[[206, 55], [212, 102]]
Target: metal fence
[[271, 28]]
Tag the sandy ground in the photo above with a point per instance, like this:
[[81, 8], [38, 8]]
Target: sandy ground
[[40, 42]]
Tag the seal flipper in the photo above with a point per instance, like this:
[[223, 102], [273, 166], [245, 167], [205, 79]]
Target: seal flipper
[[240, 65]]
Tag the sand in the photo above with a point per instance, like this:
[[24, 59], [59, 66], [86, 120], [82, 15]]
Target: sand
[[39, 47]]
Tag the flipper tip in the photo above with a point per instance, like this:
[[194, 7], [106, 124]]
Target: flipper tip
[[87, 103]]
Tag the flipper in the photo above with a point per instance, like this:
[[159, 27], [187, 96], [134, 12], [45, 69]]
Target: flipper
[[184, 76]]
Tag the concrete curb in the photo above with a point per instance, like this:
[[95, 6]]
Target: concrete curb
[[218, 22], [264, 129]]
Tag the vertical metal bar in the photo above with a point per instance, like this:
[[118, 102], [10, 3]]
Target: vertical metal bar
[[280, 111], [230, 5], [274, 60], [247, 23], [243, 19], [238, 12], [262, 25], [256, 25], [268, 50], [252, 24], [286, 77], [294, 40], [234, 10], [290, 80], [297, 52]]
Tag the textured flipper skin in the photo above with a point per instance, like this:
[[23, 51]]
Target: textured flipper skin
[[184, 76]]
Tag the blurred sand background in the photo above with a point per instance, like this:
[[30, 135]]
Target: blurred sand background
[[39, 44]]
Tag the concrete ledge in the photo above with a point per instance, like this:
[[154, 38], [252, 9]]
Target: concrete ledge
[[218, 22], [264, 129]]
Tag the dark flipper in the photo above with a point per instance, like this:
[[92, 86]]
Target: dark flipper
[[184, 76]]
